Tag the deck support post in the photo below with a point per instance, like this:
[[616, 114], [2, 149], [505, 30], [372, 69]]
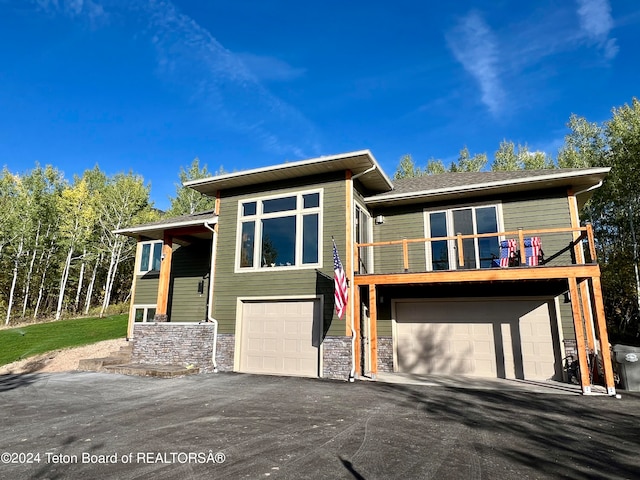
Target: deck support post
[[601, 324], [578, 324], [373, 334]]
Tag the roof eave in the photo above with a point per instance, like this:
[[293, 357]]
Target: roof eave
[[497, 186], [374, 173], [147, 229]]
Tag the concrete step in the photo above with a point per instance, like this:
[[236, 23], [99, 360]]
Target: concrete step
[[120, 357], [149, 370]]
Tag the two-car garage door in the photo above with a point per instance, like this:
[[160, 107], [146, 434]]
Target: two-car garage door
[[277, 337], [505, 338]]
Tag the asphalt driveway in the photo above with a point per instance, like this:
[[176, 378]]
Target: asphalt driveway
[[91, 425]]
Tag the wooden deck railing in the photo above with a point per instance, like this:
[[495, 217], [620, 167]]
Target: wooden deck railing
[[578, 234]]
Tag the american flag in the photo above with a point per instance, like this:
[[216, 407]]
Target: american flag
[[340, 283]]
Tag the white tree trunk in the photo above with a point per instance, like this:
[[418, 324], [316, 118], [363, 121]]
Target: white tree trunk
[[80, 280], [87, 303], [42, 281], [13, 282], [63, 283], [111, 273], [27, 286]]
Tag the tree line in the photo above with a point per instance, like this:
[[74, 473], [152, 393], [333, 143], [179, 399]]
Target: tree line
[[614, 209], [58, 253]]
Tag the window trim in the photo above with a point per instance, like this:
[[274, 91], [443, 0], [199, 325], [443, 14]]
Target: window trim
[[451, 244], [299, 213], [145, 311], [152, 243]]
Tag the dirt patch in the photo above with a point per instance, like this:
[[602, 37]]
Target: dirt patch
[[63, 360]]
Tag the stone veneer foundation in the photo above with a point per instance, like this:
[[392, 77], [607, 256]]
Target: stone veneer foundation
[[385, 354], [336, 357], [192, 344], [180, 344]]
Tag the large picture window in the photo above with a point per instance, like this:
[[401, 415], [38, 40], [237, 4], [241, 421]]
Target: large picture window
[[150, 257], [280, 232], [477, 252]]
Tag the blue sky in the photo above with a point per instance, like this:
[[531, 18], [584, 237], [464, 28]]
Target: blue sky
[[148, 85]]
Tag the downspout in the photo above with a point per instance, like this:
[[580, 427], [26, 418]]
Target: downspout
[[354, 360], [214, 243], [593, 187], [358, 175]]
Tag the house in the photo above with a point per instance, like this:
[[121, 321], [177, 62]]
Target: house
[[249, 287]]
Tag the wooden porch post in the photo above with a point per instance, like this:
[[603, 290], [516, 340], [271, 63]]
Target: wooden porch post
[[603, 336], [163, 282], [373, 333], [578, 326]]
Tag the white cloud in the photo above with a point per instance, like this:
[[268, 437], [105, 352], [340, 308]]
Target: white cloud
[[596, 23], [474, 45], [221, 81], [269, 68], [231, 95], [89, 9]]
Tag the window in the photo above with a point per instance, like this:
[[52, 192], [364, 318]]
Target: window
[[144, 313], [362, 232], [477, 252], [283, 231], [150, 257]]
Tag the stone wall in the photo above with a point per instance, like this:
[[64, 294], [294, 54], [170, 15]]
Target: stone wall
[[336, 357], [181, 344], [385, 354], [225, 351]]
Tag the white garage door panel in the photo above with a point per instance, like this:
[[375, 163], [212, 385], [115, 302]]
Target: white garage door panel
[[276, 338], [460, 337]]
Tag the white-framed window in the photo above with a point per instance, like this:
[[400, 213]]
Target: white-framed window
[[150, 256], [144, 313], [280, 231], [363, 234], [468, 220]]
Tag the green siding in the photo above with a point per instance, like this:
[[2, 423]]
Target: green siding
[[535, 213], [566, 320], [267, 283], [398, 224], [146, 289]]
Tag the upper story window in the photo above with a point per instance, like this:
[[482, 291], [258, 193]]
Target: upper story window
[[477, 252], [150, 257], [280, 231]]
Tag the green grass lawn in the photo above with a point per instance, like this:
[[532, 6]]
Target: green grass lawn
[[22, 342]]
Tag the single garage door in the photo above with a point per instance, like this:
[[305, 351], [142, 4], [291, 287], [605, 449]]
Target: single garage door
[[277, 338], [506, 338]]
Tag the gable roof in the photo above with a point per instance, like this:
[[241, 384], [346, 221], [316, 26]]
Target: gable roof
[[459, 185], [361, 163]]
